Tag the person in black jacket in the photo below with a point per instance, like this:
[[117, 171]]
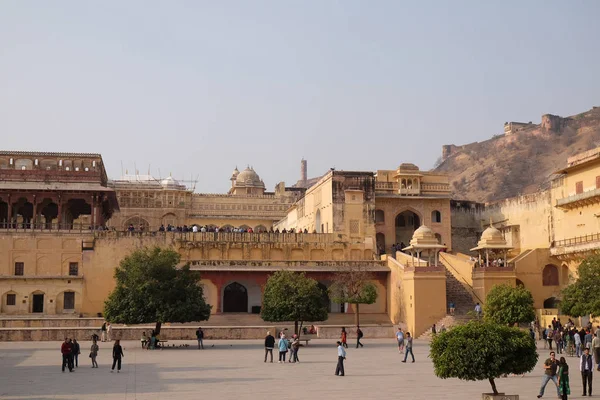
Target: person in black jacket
[[76, 351], [117, 355], [269, 345]]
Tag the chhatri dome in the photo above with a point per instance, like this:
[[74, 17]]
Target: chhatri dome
[[170, 183], [246, 182]]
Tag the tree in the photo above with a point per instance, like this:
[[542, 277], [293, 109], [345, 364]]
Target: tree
[[353, 285], [151, 288], [291, 296], [482, 350], [581, 297], [507, 305]]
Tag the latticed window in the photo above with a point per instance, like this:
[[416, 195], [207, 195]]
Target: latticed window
[[73, 269], [19, 268], [354, 226], [11, 299]]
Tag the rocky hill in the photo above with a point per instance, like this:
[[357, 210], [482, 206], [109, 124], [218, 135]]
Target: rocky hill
[[522, 159]]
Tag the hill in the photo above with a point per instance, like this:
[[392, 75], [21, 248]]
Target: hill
[[521, 160]]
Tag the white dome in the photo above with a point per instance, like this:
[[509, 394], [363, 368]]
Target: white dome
[[170, 183], [248, 177]]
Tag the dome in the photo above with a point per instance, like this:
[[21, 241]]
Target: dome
[[170, 183], [492, 233], [424, 238], [408, 167], [249, 177], [423, 232], [235, 173]]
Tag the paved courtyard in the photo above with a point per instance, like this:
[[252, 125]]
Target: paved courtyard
[[235, 370]]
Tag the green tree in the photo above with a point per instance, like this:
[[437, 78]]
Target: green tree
[[353, 285], [482, 350], [581, 297], [508, 305], [291, 296], [151, 288]]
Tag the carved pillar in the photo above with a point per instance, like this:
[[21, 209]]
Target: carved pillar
[[34, 218], [59, 216], [93, 219], [9, 217]]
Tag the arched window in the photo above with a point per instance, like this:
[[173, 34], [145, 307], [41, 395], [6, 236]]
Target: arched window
[[552, 302], [520, 283], [436, 216], [550, 275], [379, 216]]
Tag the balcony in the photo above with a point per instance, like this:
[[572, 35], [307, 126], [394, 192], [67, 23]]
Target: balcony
[[424, 189], [579, 244], [579, 200]]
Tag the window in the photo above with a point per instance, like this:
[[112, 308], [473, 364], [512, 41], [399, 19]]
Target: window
[[19, 268], [579, 187], [73, 269], [550, 275], [69, 301], [598, 182], [11, 299], [354, 226], [436, 216], [379, 216]]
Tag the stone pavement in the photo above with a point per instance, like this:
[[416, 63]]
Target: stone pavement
[[235, 370]]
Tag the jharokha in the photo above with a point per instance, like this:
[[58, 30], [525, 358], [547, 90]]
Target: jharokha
[[65, 226]]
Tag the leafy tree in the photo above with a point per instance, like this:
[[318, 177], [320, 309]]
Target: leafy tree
[[353, 285], [582, 297], [508, 305], [291, 296], [482, 350], [151, 288]]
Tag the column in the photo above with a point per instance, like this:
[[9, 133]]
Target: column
[[9, 217], [59, 215], [34, 219], [93, 222]]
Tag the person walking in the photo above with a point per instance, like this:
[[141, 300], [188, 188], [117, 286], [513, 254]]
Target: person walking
[[144, 340], [66, 349], [94, 353], [563, 379], [400, 338], [76, 352], [200, 337], [344, 338], [283, 348], [551, 367], [339, 369], [269, 345], [103, 332], [359, 335], [478, 310], [409, 348], [117, 356], [108, 331], [596, 350], [549, 336], [577, 340], [586, 366]]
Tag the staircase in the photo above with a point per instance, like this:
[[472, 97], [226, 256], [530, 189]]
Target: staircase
[[448, 321], [457, 293]]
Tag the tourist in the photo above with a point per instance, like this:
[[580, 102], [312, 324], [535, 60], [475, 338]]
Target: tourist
[[269, 345], [94, 353], [531, 333], [339, 369], [195, 229], [76, 351], [409, 348], [596, 350], [563, 379], [295, 347], [162, 228], [103, 332], [283, 348], [586, 366], [433, 329], [551, 367], [66, 349], [144, 340], [344, 338], [452, 307], [400, 338], [108, 331], [200, 337], [359, 335], [549, 336], [117, 355], [588, 339], [558, 340], [312, 330], [443, 328], [478, 310]]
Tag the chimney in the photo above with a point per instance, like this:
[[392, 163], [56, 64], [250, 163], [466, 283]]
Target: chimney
[[303, 171]]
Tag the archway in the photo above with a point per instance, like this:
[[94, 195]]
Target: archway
[[380, 238], [318, 227], [49, 212], [235, 298], [552, 302], [136, 222], [260, 229], [3, 214], [564, 274], [24, 209], [550, 275], [520, 283], [76, 208], [37, 302], [169, 219], [325, 295], [406, 224]]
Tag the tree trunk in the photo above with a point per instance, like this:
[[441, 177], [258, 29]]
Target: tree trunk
[[300, 330], [296, 327], [493, 385], [356, 317], [157, 328]]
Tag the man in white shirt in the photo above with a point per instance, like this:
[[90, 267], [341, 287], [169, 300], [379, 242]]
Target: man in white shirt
[[586, 365], [577, 339], [478, 310], [195, 229], [339, 370]]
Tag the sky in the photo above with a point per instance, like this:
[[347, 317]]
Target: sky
[[196, 88]]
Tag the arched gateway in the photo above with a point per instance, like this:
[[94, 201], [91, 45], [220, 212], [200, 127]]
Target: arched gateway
[[235, 298]]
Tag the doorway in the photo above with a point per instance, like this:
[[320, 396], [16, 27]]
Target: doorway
[[38, 303], [235, 298]]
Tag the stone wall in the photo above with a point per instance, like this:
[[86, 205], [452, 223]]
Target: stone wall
[[466, 222]]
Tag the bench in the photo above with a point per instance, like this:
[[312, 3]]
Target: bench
[[307, 337]]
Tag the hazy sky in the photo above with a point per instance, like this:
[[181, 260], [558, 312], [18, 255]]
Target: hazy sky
[[198, 87]]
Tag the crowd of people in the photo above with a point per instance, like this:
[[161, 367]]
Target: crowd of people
[[70, 350], [226, 229]]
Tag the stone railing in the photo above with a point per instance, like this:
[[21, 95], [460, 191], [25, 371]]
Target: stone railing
[[576, 200], [594, 237], [368, 265]]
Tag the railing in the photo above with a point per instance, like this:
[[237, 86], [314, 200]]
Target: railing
[[594, 237], [29, 227], [425, 187], [435, 187]]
